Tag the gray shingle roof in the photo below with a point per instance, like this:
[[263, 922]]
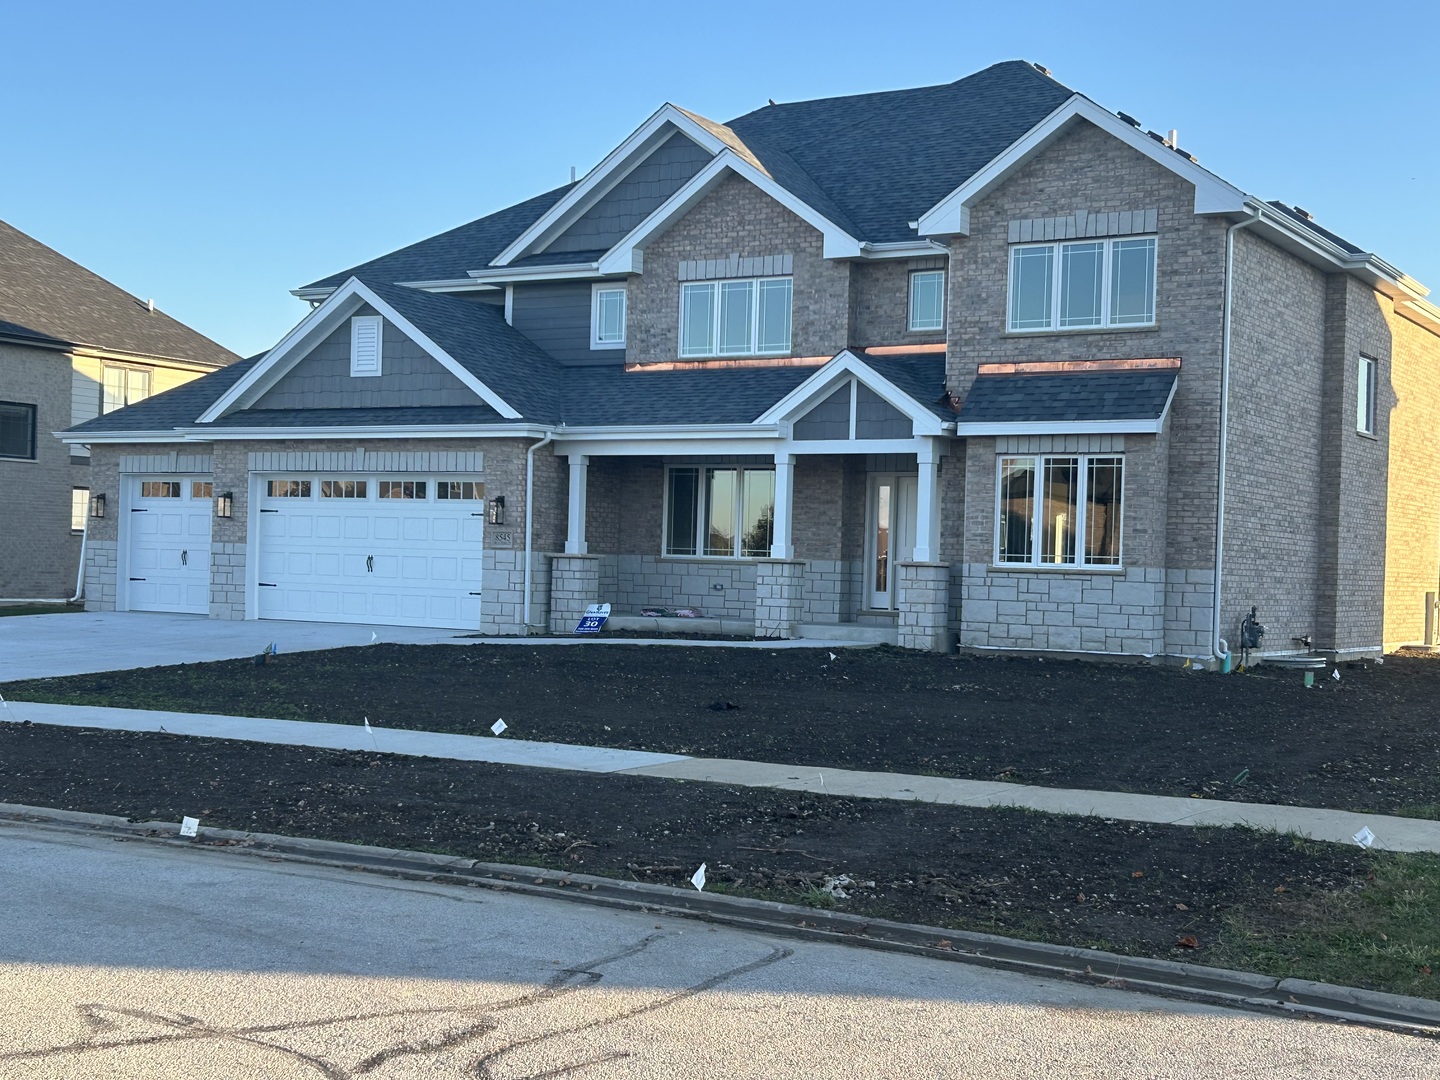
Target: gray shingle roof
[[922, 377], [611, 396], [1072, 396], [52, 300], [1308, 223], [174, 408], [451, 255]]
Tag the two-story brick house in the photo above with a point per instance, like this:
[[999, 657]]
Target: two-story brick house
[[73, 346], [981, 361]]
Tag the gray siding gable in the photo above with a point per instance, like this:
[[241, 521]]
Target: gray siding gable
[[634, 198], [410, 377], [555, 315]]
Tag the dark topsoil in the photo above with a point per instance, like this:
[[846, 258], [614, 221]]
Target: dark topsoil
[[1147, 889], [1365, 742]]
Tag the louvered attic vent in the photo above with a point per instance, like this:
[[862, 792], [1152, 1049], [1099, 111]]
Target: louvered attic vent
[[365, 333]]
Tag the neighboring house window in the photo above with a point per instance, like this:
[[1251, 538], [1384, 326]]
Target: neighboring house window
[[726, 512], [124, 386], [1365, 397], [607, 317], [17, 430], [79, 508], [735, 318], [366, 336], [1059, 511], [1085, 284], [927, 300]]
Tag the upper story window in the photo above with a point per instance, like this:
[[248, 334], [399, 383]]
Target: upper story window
[[124, 386], [927, 300], [1060, 511], [607, 317], [1365, 397], [1082, 284], [17, 430], [735, 318], [366, 344]]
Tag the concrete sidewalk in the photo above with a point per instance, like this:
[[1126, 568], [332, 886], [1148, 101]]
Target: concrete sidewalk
[[1336, 826]]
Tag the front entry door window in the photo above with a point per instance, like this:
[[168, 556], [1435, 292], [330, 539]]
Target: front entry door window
[[891, 535]]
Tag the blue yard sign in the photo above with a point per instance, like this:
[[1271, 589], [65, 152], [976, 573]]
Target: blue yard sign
[[593, 621]]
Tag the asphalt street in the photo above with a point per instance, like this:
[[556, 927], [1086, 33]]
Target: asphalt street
[[127, 959]]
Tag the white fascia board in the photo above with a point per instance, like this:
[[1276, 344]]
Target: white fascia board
[[950, 216], [673, 447], [661, 431], [1422, 313], [87, 437], [1062, 427], [361, 431], [902, 249], [312, 294], [505, 274], [826, 378], [450, 285], [625, 257], [858, 446], [614, 168], [323, 321]]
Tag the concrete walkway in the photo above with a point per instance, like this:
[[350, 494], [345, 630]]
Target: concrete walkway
[[81, 643], [1337, 826]]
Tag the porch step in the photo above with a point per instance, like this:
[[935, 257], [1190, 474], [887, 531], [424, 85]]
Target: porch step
[[651, 624], [875, 635]]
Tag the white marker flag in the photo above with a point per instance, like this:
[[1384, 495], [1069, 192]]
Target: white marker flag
[[189, 826], [1335, 674], [698, 878], [1365, 838], [498, 726]]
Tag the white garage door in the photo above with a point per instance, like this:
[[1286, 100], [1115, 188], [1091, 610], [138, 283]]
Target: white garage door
[[398, 550], [169, 558]]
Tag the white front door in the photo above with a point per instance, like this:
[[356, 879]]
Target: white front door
[[168, 564], [890, 535], [398, 550]]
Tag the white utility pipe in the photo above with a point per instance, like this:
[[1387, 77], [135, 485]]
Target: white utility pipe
[[1218, 644], [530, 517], [79, 580]]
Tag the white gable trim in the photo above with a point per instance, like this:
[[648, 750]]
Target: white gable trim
[[599, 180], [627, 257], [826, 380], [951, 215], [318, 325]]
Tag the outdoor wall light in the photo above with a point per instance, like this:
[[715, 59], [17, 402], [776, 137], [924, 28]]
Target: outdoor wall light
[[497, 510], [97, 505], [225, 505]]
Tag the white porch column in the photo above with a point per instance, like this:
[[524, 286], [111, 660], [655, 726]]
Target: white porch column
[[781, 544], [579, 475], [927, 503]]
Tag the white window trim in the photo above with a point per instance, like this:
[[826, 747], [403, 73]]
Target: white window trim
[[754, 350], [595, 291], [1367, 384], [357, 370], [129, 370], [910, 324], [1082, 490], [700, 531], [1106, 257]]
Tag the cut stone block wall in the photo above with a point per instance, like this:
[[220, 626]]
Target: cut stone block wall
[[574, 586], [779, 597], [227, 581], [100, 556], [649, 580], [923, 603], [1068, 612]]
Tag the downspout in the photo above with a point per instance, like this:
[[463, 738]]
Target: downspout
[[530, 518], [1217, 643]]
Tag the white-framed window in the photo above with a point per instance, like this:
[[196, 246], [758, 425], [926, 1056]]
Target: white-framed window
[[745, 317], [287, 489], [367, 334], [1059, 510], [403, 489], [160, 489], [927, 300], [344, 489], [607, 317], [1082, 284], [1365, 397], [467, 490], [719, 511], [123, 386], [79, 508]]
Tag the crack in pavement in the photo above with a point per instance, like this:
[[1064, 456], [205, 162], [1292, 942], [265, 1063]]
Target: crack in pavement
[[101, 1019]]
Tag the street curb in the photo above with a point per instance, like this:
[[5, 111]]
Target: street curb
[[1169, 977]]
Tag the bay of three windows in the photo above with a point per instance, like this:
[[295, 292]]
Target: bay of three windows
[[1082, 284]]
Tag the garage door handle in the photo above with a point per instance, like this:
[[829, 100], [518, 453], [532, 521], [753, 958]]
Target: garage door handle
[[139, 509], [137, 579], [185, 557], [263, 584], [369, 564], [264, 511], [477, 594]]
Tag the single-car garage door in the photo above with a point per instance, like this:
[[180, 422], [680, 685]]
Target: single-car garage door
[[398, 550], [168, 568]]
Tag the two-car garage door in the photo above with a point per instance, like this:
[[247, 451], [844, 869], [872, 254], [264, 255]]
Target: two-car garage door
[[399, 550]]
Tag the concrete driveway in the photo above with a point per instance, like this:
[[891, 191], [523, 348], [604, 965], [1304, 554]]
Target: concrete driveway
[[39, 646]]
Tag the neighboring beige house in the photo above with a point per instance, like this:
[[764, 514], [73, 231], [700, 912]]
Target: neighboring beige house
[[982, 364], [72, 347]]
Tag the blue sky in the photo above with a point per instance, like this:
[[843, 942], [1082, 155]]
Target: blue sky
[[216, 155]]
